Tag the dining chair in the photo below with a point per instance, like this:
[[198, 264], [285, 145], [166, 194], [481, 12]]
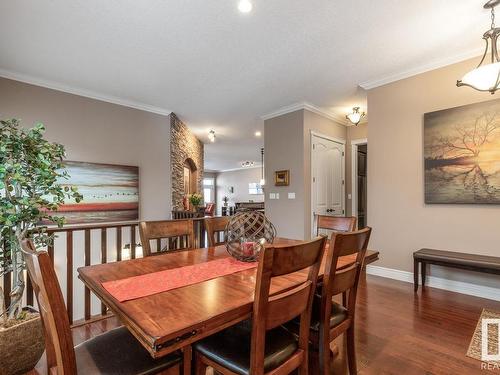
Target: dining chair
[[331, 319], [334, 223], [260, 345], [113, 352], [210, 209], [215, 226], [179, 235]]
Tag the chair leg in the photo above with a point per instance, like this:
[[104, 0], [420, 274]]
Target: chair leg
[[304, 366], [324, 358], [351, 351], [200, 366]]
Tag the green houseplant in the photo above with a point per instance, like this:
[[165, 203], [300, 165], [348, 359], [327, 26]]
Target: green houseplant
[[31, 169], [196, 200]]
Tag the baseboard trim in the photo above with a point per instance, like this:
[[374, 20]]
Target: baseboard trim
[[437, 282]]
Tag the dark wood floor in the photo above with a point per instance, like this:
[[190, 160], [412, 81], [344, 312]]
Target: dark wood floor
[[398, 332]]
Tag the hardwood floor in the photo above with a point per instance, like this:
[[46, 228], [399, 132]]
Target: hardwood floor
[[398, 332]]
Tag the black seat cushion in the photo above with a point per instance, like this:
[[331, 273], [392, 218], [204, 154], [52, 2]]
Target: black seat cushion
[[338, 315], [118, 352], [231, 347]]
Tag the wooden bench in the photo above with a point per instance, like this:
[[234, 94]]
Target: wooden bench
[[472, 262]]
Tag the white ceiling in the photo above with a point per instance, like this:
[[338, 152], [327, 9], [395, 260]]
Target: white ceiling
[[217, 68]]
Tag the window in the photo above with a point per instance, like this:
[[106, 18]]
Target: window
[[254, 188], [209, 190]]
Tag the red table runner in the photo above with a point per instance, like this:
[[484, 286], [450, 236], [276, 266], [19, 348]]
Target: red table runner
[[162, 281]]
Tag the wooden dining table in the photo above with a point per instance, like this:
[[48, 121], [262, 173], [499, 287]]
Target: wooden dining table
[[172, 320]]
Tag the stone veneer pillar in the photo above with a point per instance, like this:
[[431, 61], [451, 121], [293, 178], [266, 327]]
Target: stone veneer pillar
[[183, 145]]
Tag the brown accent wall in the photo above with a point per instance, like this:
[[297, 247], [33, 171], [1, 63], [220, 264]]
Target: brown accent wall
[[401, 221], [183, 145], [100, 132]]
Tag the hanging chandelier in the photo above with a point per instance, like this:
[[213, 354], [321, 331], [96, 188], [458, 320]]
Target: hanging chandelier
[[486, 76], [262, 179]]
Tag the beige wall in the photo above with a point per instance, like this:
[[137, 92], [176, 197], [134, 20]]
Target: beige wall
[[239, 180], [401, 222], [96, 131], [284, 149], [288, 146], [353, 133]]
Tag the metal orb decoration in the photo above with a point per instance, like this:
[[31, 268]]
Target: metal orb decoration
[[246, 234]]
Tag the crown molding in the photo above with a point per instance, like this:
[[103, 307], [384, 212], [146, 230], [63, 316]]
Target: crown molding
[[306, 106], [81, 92], [436, 64]]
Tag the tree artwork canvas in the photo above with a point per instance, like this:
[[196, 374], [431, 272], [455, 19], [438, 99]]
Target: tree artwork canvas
[[462, 154]]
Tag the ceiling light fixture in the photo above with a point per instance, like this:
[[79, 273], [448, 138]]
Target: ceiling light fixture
[[356, 116], [211, 135], [247, 164], [258, 133], [486, 77], [245, 6]]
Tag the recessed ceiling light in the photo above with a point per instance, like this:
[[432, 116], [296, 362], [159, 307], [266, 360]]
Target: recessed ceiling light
[[247, 164], [258, 133], [245, 6], [211, 135]]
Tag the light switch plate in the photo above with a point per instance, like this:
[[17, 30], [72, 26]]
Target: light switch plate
[[349, 196], [272, 196], [291, 195], [277, 195]]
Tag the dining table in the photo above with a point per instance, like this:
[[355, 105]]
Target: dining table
[[168, 321]]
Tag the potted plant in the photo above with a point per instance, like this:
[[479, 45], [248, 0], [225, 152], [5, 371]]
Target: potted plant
[[196, 200], [225, 199], [31, 169]]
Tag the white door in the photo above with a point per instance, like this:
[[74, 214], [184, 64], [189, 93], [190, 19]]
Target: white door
[[327, 167]]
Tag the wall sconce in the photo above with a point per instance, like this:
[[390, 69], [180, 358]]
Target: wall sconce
[[211, 135], [356, 116]]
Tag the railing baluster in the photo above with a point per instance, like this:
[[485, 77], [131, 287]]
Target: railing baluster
[[158, 244], [7, 288], [104, 260], [132, 242], [87, 263], [50, 250], [29, 291], [69, 275], [119, 244]]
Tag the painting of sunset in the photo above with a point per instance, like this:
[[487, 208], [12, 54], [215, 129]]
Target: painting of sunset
[[462, 154], [110, 193]]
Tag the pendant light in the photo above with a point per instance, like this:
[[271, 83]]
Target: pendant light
[[262, 180], [486, 76]]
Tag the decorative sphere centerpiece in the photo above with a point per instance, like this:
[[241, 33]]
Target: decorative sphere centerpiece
[[246, 234]]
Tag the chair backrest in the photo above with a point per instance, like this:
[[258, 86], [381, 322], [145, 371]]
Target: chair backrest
[[58, 338], [271, 311], [210, 209], [178, 233], [215, 226], [345, 279], [335, 223]]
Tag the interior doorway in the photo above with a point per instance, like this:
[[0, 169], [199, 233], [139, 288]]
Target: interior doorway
[[359, 179], [328, 173]]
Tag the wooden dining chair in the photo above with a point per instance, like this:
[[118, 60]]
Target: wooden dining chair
[[334, 223], [215, 226], [331, 319], [178, 233], [261, 345], [114, 352]]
